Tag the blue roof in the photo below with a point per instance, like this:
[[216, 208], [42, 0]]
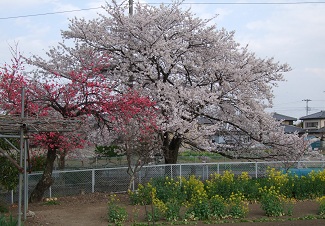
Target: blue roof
[[293, 129], [280, 117], [318, 115]]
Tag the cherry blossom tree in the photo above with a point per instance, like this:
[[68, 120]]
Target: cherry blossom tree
[[79, 94], [192, 69]]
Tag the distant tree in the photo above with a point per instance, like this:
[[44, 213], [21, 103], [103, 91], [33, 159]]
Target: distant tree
[[107, 150], [192, 70], [8, 171]]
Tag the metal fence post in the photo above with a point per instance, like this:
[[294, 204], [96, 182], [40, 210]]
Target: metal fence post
[[93, 181], [256, 170], [12, 196], [203, 171], [207, 171], [180, 170], [218, 168], [50, 190]]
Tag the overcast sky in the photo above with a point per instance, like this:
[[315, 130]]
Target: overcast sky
[[291, 31]]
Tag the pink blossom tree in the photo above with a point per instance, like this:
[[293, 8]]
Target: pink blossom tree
[[136, 136], [81, 93]]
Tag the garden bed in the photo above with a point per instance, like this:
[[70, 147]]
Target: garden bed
[[91, 209], [226, 198]]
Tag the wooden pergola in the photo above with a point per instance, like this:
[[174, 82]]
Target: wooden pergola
[[21, 127]]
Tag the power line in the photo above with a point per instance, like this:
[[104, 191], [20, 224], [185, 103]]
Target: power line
[[155, 3], [45, 14], [246, 3]]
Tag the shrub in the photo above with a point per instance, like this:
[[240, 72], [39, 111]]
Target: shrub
[[218, 209], [9, 173], [158, 207], [173, 210], [274, 203], [279, 180], [226, 184], [168, 189], [142, 196], [193, 189], [116, 214], [237, 206], [215, 186], [198, 210], [310, 186]]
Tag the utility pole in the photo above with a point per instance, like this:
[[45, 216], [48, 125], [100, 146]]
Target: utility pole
[[130, 7], [131, 78], [307, 108]]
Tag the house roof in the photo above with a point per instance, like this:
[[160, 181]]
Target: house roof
[[320, 130], [293, 129], [280, 117], [317, 115]]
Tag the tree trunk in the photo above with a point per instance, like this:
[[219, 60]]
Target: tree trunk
[[46, 181], [171, 147], [61, 163]]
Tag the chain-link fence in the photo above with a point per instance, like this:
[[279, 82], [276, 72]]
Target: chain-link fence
[[73, 182]]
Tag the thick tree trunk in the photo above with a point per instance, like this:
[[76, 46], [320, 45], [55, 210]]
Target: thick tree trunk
[[171, 145], [46, 181]]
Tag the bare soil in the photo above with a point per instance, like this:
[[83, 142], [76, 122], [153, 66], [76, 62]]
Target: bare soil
[[91, 210]]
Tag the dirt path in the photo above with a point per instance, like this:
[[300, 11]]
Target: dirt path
[[91, 210]]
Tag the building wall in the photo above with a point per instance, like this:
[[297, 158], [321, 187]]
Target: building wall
[[314, 124]]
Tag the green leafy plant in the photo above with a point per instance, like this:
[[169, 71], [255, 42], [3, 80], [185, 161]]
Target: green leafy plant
[[116, 213], [173, 210], [270, 202], [3, 207], [218, 209], [142, 196], [154, 215], [8, 220], [321, 210], [237, 206], [226, 196], [274, 203], [107, 151], [227, 183], [193, 189], [198, 210], [158, 207], [9, 173], [168, 188]]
